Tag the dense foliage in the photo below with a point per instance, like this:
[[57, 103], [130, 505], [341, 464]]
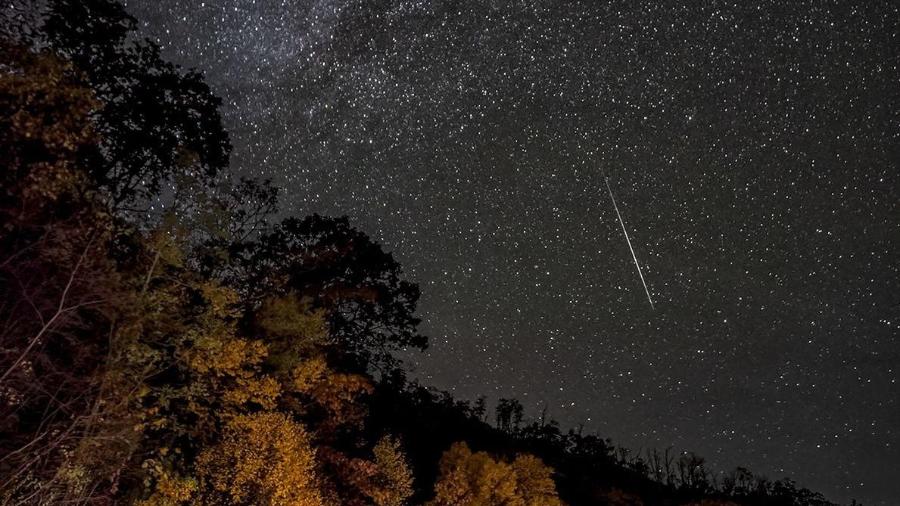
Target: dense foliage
[[161, 344]]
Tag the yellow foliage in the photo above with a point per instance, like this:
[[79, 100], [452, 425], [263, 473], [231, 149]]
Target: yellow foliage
[[309, 373], [477, 479], [265, 458], [263, 391], [225, 357], [337, 393], [34, 81], [473, 479], [171, 491], [395, 480], [45, 121], [291, 317], [74, 477], [535, 481], [166, 246], [209, 346], [222, 301]]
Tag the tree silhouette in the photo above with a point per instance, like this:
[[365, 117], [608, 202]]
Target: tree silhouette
[[371, 309], [155, 122], [509, 414]]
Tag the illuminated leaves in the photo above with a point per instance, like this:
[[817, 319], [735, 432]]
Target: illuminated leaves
[[394, 482], [477, 479], [170, 489], [43, 124], [292, 318], [221, 355], [534, 481], [338, 394], [265, 458], [261, 391]]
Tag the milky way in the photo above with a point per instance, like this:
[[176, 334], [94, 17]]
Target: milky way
[[754, 151]]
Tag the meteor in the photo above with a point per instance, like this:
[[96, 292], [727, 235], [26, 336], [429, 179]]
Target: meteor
[[636, 264]]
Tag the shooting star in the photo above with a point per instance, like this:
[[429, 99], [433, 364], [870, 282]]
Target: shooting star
[[636, 264]]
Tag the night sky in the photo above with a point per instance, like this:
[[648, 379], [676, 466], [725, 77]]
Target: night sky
[[753, 154]]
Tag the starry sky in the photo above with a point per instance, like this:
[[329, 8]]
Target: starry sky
[[752, 148]]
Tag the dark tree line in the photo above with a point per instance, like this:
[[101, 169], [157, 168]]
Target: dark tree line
[[589, 469]]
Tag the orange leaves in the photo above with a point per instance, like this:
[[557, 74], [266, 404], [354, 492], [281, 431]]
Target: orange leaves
[[171, 490], [291, 318], [339, 395], [43, 102], [394, 481], [229, 365], [224, 356], [262, 391], [265, 458], [339, 389], [308, 374], [221, 300], [176, 489], [45, 120], [349, 477], [385, 481], [336, 393], [477, 479], [300, 336], [534, 480], [473, 479]]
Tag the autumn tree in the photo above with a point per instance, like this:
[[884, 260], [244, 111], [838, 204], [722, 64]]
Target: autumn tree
[[370, 307], [394, 484], [91, 123], [478, 479], [301, 344], [218, 361], [264, 458], [57, 284]]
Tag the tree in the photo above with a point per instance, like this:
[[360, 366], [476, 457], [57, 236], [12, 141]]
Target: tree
[[535, 481], [479, 410], [156, 120], [264, 458], [43, 128], [394, 484], [509, 414], [692, 472], [218, 360], [477, 479], [371, 309]]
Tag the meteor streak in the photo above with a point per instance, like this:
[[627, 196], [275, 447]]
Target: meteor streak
[[636, 264]]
